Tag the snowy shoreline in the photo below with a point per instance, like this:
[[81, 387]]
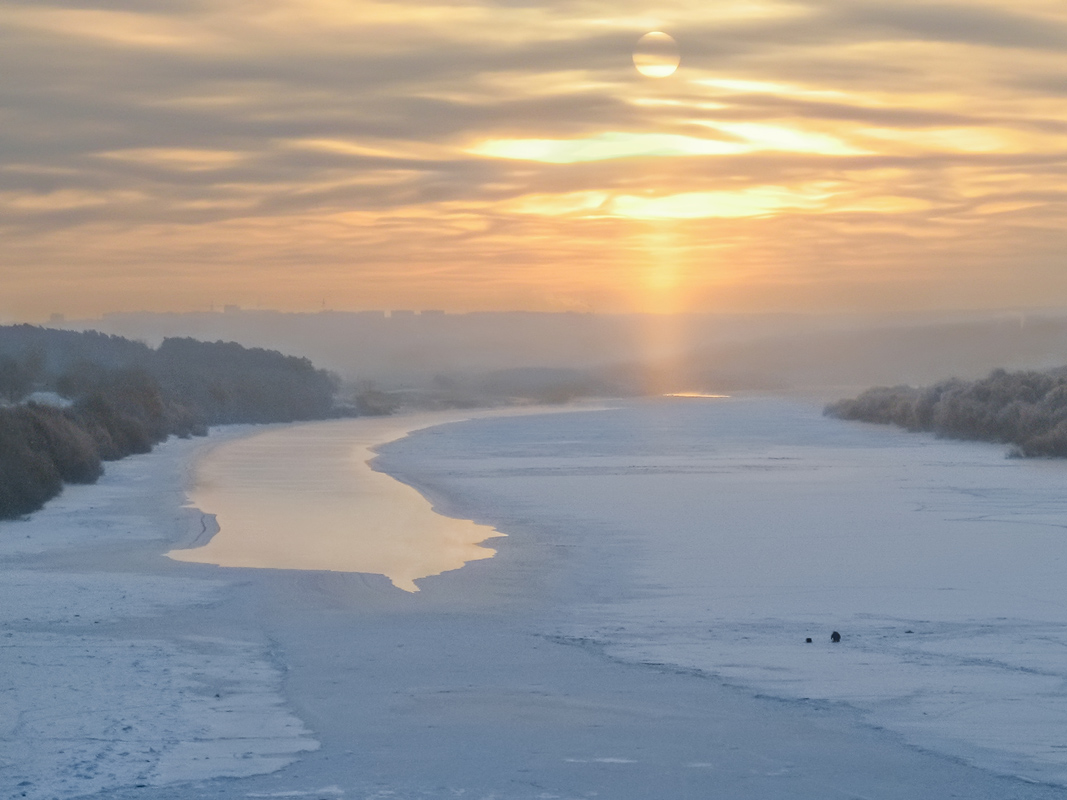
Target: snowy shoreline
[[133, 676], [102, 690]]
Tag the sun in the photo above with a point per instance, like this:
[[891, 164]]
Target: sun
[[656, 55]]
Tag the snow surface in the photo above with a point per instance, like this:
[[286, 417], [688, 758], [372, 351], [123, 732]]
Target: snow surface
[[649, 550], [95, 693], [744, 526]]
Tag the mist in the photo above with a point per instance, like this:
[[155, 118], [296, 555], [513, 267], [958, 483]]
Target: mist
[[463, 359]]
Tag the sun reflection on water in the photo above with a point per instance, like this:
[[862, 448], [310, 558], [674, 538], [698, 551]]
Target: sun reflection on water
[[304, 497]]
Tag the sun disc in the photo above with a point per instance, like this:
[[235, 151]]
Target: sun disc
[[656, 55]]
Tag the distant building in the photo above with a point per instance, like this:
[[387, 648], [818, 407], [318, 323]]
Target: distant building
[[231, 309], [402, 314], [374, 313], [57, 319], [432, 312]]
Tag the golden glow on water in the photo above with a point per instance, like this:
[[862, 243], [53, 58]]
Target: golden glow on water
[[304, 497]]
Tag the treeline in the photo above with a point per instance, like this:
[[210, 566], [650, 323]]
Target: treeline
[[1025, 409], [69, 401]]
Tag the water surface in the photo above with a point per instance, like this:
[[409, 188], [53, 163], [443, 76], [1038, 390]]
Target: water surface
[[304, 497]]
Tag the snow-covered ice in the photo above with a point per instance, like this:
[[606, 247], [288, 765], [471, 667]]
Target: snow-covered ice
[[638, 634], [95, 692], [737, 528]]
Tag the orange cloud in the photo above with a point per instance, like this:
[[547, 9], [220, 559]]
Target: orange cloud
[[806, 155]]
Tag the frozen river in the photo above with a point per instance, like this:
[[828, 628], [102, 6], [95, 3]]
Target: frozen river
[[719, 534], [638, 633]]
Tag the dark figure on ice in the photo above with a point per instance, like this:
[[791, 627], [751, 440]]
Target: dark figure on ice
[[835, 637]]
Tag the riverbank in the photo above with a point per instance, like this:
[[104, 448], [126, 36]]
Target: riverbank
[[108, 678], [135, 676]]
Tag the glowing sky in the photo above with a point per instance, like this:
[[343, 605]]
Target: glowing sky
[[807, 155]]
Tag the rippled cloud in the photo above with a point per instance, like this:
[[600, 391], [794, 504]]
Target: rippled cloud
[[806, 155]]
